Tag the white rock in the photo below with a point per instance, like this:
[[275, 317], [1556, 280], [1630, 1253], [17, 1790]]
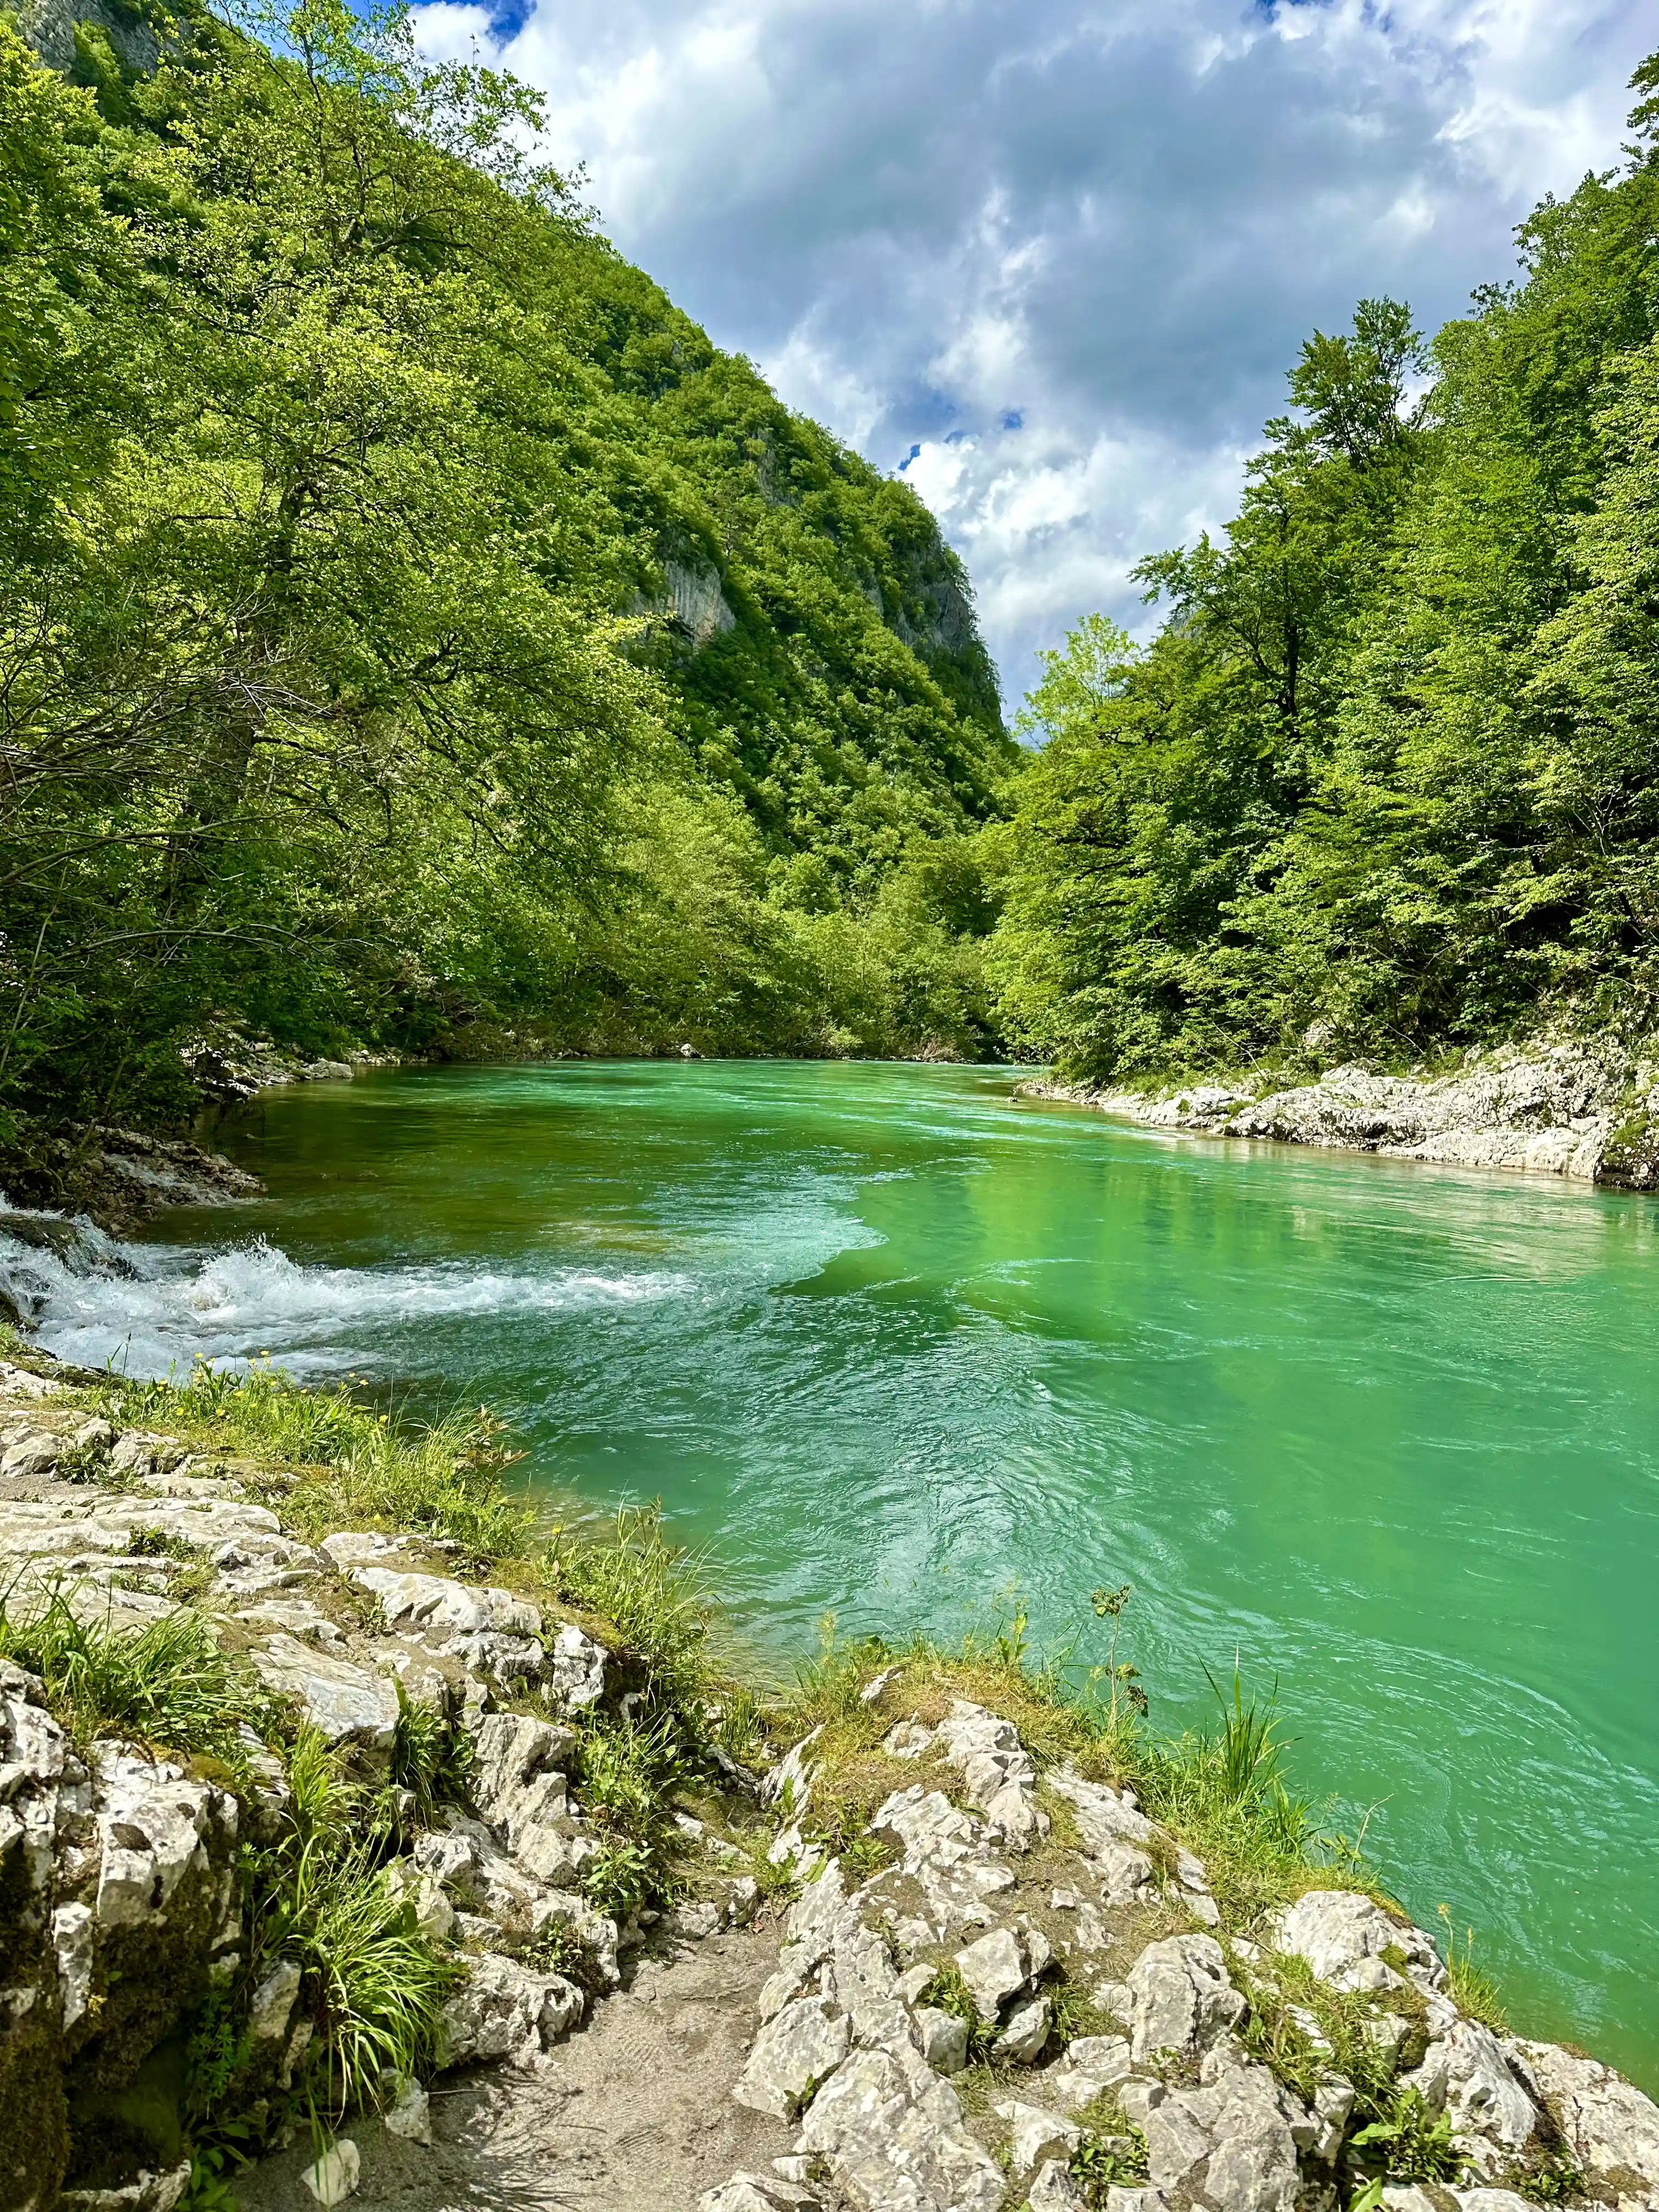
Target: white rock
[[755, 2192], [349, 1547], [447, 1609], [1339, 1933], [793, 2054], [272, 2004], [1491, 2200], [1482, 2093], [595, 1931], [519, 1786], [335, 2175], [505, 2011], [1021, 2040], [1175, 2142], [73, 1935], [944, 2039], [343, 1703], [1036, 2135], [915, 1981], [1180, 1998], [147, 2192], [23, 1383], [696, 1922], [434, 1915], [790, 1781], [909, 1740], [153, 1822], [1107, 2058], [897, 2144], [994, 1970], [945, 1853], [1136, 2200], [1053, 2189], [1609, 2124], [410, 2114], [576, 1670]]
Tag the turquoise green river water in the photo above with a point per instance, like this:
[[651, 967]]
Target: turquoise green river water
[[891, 1343]]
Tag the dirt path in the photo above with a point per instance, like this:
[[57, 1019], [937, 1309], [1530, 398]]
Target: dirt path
[[633, 2114]]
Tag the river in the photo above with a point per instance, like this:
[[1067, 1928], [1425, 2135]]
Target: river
[[898, 1346]]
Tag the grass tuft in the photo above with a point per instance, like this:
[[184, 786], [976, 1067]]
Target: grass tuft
[[351, 1468], [166, 1683], [1470, 1989], [653, 1594], [373, 1984]]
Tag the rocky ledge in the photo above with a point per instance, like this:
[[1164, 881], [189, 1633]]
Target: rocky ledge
[[1035, 2003], [1006, 1986], [124, 1898], [1567, 1108]]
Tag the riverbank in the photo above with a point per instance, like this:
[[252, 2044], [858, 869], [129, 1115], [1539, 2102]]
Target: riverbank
[[1589, 1112], [948, 1936]]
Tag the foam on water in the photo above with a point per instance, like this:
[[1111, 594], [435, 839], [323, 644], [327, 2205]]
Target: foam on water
[[152, 1310]]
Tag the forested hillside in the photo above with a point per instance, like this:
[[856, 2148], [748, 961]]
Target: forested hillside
[[413, 632], [1387, 781]]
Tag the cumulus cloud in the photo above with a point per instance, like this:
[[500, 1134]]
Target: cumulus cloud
[[1052, 258]]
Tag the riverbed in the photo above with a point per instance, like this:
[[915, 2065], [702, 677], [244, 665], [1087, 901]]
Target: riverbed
[[897, 1346]]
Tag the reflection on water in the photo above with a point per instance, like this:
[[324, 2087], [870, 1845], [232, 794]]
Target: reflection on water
[[892, 1342]]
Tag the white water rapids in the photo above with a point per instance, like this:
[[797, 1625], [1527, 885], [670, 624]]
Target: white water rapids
[[150, 1310]]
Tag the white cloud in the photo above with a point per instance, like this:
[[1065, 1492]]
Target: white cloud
[[1107, 222]]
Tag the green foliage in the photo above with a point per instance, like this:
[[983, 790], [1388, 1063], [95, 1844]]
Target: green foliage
[[353, 1467], [1408, 2142], [1307, 2031], [1112, 2153], [1553, 2179], [653, 1595], [1385, 780], [166, 1682], [373, 1984], [629, 1777], [411, 627], [1470, 1989], [432, 1754]]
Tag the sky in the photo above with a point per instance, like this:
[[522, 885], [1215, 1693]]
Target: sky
[[1052, 259]]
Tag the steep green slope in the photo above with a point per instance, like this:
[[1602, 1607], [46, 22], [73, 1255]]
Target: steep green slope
[[412, 629]]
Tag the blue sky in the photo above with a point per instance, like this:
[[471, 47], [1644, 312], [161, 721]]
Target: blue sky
[[1053, 259]]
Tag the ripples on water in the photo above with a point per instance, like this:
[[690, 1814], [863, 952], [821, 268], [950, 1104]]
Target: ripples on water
[[890, 1343]]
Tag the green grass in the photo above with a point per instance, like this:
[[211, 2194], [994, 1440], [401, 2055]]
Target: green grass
[[373, 1985], [432, 1755], [1470, 1989], [348, 1467], [166, 1682], [653, 1596], [630, 1777], [1408, 2141], [1112, 2154], [1222, 1795]]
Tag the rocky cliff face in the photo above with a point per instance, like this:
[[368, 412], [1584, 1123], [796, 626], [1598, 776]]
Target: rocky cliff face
[[1585, 1111]]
